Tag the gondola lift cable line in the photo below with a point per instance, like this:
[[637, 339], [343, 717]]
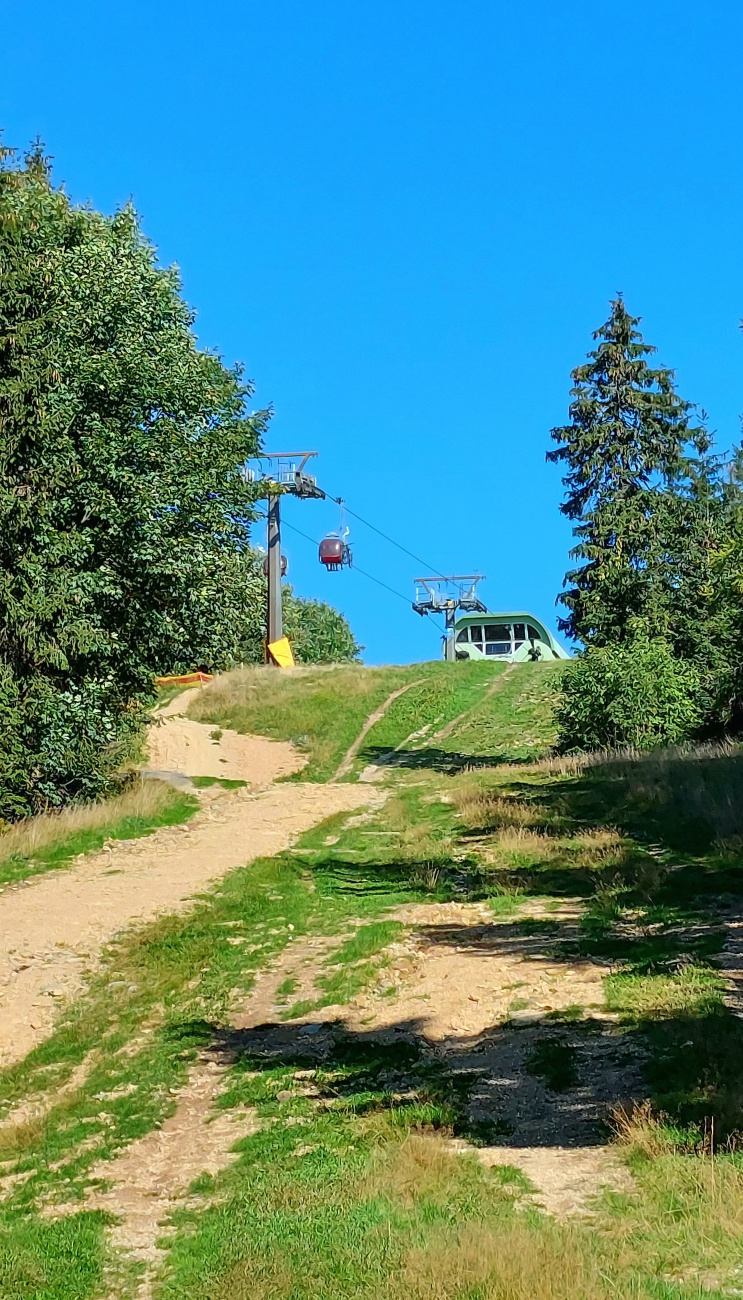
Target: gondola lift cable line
[[363, 572], [340, 501], [334, 550]]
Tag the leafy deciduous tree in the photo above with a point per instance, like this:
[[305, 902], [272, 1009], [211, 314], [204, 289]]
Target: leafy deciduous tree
[[120, 488]]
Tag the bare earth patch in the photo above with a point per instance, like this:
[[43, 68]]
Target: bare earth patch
[[461, 971], [151, 1175], [178, 745], [481, 992], [566, 1178], [52, 930]]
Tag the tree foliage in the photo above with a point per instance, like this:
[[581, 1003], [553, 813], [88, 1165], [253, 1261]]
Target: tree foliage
[[226, 620], [635, 694], [319, 633], [655, 514], [121, 500], [637, 474]]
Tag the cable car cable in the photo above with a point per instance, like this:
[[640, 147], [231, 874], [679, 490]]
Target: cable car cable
[[340, 501], [356, 568]]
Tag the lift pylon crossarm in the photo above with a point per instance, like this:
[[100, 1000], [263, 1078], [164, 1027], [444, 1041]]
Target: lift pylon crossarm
[[446, 594], [286, 474]]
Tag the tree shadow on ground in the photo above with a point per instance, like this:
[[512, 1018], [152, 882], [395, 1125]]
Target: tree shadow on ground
[[675, 849], [548, 1079], [688, 800], [549, 1084], [448, 762]]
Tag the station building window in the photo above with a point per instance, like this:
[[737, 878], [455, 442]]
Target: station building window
[[497, 632], [497, 639]]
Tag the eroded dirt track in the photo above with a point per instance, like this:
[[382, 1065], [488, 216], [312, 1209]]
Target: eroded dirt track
[[180, 746], [52, 929]]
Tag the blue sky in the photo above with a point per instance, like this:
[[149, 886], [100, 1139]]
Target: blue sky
[[406, 217]]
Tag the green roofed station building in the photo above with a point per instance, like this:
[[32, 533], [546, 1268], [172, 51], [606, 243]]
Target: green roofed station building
[[514, 637]]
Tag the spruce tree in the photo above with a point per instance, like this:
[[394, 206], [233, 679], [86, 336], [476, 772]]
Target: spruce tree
[[724, 596], [626, 451]]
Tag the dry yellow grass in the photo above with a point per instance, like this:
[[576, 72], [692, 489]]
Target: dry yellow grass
[[232, 692], [522, 839], [480, 808], [598, 839], [639, 1129], [36, 835], [421, 1167], [643, 1131], [512, 1262]]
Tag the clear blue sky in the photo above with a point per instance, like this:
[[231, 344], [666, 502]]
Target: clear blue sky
[[406, 217]]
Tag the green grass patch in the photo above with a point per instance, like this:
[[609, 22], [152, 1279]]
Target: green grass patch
[[349, 1190], [429, 706], [367, 942], [45, 843], [286, 988], [356, 963], [42, 1260], [515, 723], [227, 783], [505, 904]]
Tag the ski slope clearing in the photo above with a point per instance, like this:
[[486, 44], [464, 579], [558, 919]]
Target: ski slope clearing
[[469, 1034]]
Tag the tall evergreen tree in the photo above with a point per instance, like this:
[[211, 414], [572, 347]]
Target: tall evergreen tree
[[725, 602], [627, 451]]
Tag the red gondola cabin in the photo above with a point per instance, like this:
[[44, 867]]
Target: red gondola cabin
[[334, 552]]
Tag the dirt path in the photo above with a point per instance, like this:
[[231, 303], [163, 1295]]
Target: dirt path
[[347, 761], [480, 994], [455, 972], [53, 928], [179, 746], [150, 1177]]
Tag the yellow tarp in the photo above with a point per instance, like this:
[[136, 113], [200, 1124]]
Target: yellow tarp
[[281, 653]]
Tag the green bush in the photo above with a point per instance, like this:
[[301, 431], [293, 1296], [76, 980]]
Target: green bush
[[319, 634], [634, 694]]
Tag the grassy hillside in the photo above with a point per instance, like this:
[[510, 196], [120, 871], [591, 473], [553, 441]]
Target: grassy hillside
[[350, 1188], [323, 710], [514, 724], [592, 899]]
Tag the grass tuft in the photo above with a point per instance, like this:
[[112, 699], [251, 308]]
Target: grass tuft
[[53, 839]]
